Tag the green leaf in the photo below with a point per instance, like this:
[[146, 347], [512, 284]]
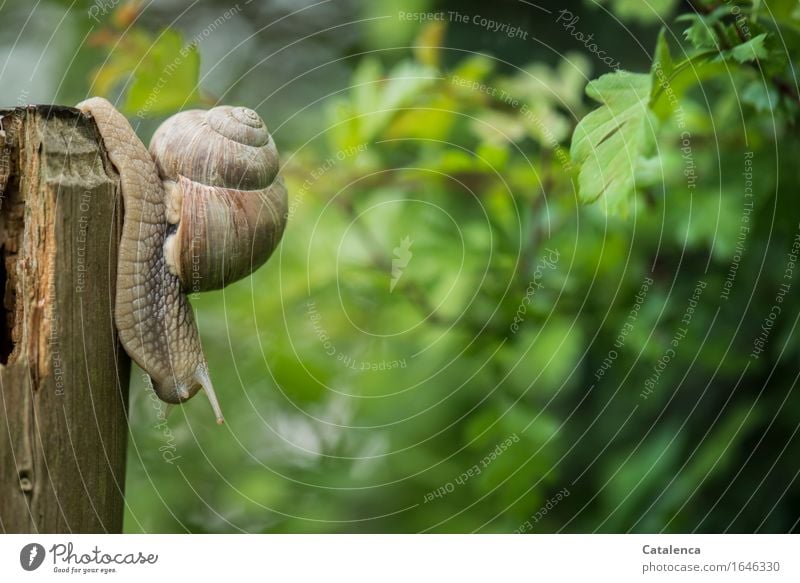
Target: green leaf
[[498, 127], [700, 32], [717, 452], [668, 91], [751, 50], [405, 81], [376, 102], [761, 95], [428, 45], [492, 156], [366, 85], [663, 58], [433, 121], [166, 79], [609, 141], [660, 75], [560, 85], [475, 67], [121, 63], [379, 103]]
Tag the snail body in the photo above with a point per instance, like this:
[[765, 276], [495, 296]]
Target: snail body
[[202, 209]]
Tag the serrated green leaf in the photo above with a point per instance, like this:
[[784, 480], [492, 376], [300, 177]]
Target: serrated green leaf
[[700, 32], [751, 50], [609, 141]]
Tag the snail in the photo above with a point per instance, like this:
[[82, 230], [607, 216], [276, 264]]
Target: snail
[[202, 209]]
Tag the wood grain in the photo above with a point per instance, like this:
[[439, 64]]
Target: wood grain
[[63, 375]]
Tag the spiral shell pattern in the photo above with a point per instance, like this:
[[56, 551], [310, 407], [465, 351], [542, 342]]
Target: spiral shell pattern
[[224, 195]]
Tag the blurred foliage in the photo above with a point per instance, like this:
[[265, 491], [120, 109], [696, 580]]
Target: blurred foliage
[[443, 289], [158, 72], [165, 72], [639, 10]]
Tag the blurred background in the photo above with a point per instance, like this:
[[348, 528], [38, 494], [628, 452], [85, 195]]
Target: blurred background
[[447, 339]]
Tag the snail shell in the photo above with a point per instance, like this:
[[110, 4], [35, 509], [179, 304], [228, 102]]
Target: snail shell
[[225, 202]]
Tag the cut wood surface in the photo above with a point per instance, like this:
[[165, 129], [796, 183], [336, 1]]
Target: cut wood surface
[[63, 375]]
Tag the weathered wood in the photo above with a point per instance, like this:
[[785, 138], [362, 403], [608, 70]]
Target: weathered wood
[[63, 375]]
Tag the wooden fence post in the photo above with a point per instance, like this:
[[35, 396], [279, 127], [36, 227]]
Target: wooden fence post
[[63, 375]]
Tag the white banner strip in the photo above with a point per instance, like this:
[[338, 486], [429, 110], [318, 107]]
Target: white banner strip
[[400, 558]]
